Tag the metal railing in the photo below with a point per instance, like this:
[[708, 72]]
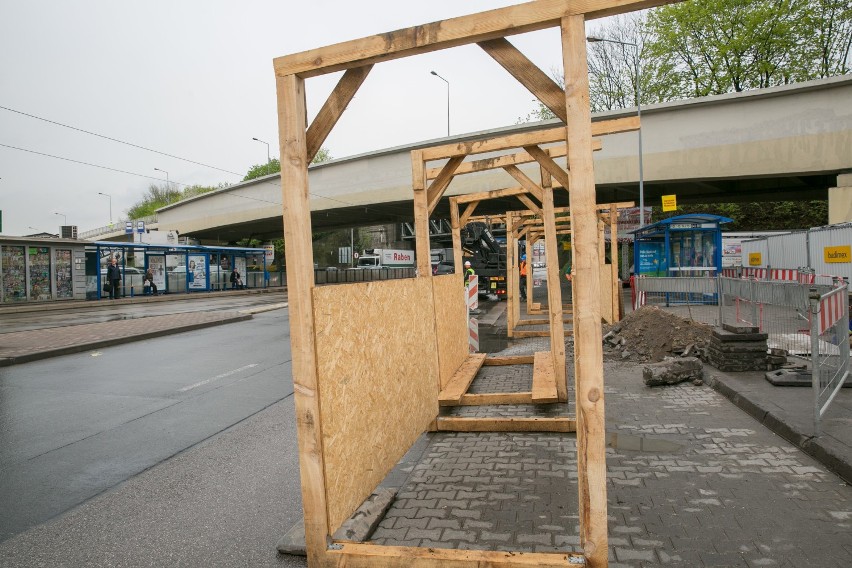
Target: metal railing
[[322, 276], [829, 346]]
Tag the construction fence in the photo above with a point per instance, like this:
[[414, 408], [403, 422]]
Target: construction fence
[[805, 319]]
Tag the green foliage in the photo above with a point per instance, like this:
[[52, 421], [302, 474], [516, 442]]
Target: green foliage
[[274, 165], [709, 47], [162, 195], [777, 216]]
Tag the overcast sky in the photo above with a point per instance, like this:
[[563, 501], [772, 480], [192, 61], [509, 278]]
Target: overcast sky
[[194, 79]]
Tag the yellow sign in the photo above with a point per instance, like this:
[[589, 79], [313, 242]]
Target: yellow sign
[[566, 245], [837, 254], [755, 259], [669, 202]]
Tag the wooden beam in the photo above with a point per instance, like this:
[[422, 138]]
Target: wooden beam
[[421, 215], [513, 306], [455, 227], [292, 116], [544, 379], [496, 162], [509, 360], [548, 164], [471, 207], [435, 36], [462, 378], [588, 351], [333, 108], [528, 74], [531, 205], [486, 399], [481, 196], [554, 294], [352, 555], [551, 135], [458, 424], [439, 185], [525, 181]]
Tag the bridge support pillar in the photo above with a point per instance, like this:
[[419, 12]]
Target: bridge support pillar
[[840, 200]]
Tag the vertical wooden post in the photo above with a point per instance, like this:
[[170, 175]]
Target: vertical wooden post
[[421, 215], [533, 241], [613, 257], [458, 263], [588, 351], [528, 250], [292, 119], [513, 309], [554, 290]]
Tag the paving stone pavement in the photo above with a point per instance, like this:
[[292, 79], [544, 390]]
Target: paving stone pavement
[[727, 492], [23, 346]]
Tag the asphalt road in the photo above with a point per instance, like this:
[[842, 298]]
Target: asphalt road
[[72, 427]]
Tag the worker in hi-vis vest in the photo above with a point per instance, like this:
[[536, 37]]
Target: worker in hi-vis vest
[[523, 280], [468, 272]]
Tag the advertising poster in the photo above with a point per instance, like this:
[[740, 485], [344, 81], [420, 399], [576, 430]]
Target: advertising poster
[[157, 264], [196, 274], [652, 260], [240, 265]]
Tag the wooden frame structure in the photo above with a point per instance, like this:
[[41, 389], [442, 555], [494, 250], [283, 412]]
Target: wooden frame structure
[[313, 335]]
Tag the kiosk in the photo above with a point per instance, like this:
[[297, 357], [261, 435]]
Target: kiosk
[[685, 245]]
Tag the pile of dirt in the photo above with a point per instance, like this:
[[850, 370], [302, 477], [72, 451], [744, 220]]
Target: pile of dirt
[[651, 334]]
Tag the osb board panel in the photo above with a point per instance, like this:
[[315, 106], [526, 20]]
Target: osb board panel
[[377, 374], [451, 323], [606, 293]]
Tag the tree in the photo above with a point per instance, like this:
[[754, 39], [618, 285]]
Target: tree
[[162, 195], [776, 216], [274, 165]]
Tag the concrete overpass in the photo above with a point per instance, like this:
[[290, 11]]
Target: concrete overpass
[[784, 143]]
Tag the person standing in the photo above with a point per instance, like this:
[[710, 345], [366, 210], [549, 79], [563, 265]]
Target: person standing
[[114, 278], [523, 279], [468, 273], [235, 278]]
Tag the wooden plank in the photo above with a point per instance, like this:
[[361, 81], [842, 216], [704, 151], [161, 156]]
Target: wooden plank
[[551, 135], [333, 108], [435, 36], [544, 379], [588, 351], [528, 74], [522, 333], [356, 555], [292, 117], [462, 378], [565, 319], [439, 185], [509, 360], [458, 424], [531, 205], [497, 398], [613, 258]]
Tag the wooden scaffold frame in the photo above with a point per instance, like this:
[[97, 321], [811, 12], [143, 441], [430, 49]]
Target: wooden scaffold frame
[[315, 334]]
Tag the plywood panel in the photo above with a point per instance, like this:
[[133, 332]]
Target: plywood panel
[[451, 324], [378, 390]]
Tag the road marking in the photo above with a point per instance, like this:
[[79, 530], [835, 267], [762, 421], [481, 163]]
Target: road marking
[[217, 377], [96, 354]]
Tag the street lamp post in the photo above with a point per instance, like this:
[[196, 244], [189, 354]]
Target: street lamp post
[[168, 183], [593, 39], [268, 160], [110, 204], [448, 99], [64, 220]]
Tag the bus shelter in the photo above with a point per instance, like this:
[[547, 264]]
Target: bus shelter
[[685, 245], [177, 269]]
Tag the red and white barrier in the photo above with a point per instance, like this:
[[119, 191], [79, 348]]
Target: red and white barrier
[[472, 293], [729, 272], [472, 335], [784, 274], [831, 310]]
